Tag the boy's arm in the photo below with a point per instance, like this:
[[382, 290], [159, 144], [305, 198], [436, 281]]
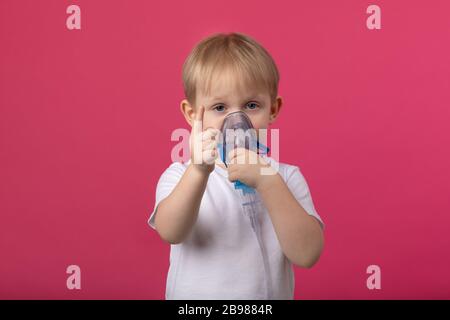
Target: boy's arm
[[300, 234], [177, 213]]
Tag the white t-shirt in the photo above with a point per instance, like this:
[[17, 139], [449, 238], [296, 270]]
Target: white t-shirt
[[221, 257]]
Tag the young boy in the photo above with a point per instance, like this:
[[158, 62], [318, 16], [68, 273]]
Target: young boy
[[214, 252]]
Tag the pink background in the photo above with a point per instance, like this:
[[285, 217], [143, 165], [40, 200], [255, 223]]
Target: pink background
[[86, 118]]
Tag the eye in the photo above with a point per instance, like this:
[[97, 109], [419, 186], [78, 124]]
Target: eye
[[252, 105], [219, 108]]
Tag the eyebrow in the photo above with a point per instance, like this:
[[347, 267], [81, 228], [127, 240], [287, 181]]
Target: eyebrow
[[248, 98]]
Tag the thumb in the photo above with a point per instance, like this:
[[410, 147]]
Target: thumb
[[197, 126]]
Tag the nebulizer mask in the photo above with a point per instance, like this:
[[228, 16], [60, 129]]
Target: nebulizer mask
[[238, 132]]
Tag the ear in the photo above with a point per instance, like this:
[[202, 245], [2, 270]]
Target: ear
[[188, 111], [275, 109]]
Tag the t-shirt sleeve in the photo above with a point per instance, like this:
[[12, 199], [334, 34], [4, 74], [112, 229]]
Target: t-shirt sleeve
[[296, 182], [167, 182]]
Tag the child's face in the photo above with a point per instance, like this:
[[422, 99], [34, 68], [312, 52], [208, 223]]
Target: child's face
[[226, 97]]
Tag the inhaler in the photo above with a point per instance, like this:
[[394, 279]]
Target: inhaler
[[238, 132]]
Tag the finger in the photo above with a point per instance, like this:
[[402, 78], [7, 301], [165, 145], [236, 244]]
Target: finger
[[236, 152], [231, 154], [209, 156], [217, 133], [200, 113], [240, 159], [252, 157], [244, 158], [197, 127], [209, 134], [209, 145]]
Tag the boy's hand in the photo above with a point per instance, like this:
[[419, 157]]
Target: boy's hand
[[246, 166], [203, 144]]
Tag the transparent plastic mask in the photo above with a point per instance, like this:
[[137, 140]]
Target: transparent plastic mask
[[237, 132]]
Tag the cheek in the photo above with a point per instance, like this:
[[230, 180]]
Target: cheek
[[260, 121], [212, 121], [217, 123], [217, 120]]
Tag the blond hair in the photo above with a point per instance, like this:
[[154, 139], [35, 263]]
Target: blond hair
[[224, 52]]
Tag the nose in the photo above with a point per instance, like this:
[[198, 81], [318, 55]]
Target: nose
[[236, 120]]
